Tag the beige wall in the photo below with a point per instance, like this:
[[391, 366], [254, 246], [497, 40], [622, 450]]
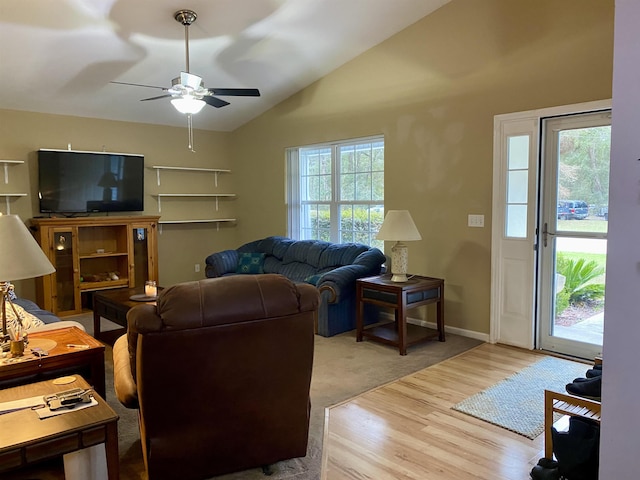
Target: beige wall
[[433, 90], [180, 246]]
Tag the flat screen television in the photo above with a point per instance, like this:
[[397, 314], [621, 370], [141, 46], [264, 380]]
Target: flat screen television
[[83, 182]]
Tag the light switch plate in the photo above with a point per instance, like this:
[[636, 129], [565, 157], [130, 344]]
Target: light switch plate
[[476, 221]]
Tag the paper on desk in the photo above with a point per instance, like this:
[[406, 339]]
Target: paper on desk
[[7, 407], [46, 413]]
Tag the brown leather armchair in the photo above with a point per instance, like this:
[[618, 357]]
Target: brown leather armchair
[[220, 371]]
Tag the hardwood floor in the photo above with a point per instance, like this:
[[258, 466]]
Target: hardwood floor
[[407, 429]]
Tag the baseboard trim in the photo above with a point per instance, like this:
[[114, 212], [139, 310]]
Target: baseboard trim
[[483, 337]]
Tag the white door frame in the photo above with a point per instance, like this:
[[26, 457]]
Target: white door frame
[[513, 262]]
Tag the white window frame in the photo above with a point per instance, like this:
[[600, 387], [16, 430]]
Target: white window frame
[[295, 202]]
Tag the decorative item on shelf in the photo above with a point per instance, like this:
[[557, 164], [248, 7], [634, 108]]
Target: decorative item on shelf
[[398, 226], [23, 258], [150, 288]]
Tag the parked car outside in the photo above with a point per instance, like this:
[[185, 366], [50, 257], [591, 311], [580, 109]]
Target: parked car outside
[[572, 210]]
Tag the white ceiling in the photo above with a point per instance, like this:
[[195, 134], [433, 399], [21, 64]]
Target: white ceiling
[[59, 56]]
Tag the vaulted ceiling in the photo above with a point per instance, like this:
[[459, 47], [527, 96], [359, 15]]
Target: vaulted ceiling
[[60, 56]]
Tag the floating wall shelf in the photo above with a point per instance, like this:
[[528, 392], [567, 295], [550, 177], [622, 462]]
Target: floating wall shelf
[[215, 171], [6, 164]]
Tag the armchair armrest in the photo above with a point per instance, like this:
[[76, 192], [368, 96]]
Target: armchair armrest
[[123, 382], [221, 263]]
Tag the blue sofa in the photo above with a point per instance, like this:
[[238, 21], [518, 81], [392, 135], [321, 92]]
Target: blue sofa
[[333, 268], [50, 320]]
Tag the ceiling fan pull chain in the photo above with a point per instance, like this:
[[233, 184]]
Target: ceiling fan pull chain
[[190, 130]]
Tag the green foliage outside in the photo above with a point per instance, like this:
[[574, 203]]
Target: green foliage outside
[[581, 281], [584, 165], [354, 225]]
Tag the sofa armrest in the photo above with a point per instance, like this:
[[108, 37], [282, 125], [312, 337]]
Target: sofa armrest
[[123, 382], [221, 263], [29, 306], [341, 281]]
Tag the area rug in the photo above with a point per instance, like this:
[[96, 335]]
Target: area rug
[[517, 402], [342, 369]]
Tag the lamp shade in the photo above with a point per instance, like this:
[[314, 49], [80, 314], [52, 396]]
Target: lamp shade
[[398, 226], [21, 257], [188, 104]]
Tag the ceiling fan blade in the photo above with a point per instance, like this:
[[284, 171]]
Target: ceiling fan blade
[[140, 85], [215, 102], [156, 98], [235, 92]]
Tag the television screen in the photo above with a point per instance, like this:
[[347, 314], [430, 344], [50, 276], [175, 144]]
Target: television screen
[[73, 182]]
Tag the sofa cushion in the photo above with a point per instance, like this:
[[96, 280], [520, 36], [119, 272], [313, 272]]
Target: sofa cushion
[[250, 263], [305, 251], [276, 246]]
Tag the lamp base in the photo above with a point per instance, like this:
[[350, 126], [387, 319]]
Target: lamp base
[[399, 262], [399, 277]]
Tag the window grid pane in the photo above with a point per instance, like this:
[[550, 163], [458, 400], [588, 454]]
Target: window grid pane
[[355, 192], [517, 186]]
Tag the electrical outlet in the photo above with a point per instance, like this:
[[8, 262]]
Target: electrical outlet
[[476, 221], [197, 267]]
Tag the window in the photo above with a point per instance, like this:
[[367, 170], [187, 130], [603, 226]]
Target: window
[[336, 191]]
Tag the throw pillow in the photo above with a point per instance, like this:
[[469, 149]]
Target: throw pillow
[[28, 320], [250, 263], [313, 279]]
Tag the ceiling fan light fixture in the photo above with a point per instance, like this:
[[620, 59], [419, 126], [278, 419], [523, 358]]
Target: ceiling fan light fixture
[[188, 104]]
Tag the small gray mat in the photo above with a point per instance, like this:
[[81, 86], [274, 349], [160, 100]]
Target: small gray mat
[[517, 402]]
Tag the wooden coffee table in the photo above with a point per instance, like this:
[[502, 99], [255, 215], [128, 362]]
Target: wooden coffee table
[[114, 305], [61, 360], [27, 439]]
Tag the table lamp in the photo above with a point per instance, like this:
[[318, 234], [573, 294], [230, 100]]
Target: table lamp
[[22, 258], [398, 226]]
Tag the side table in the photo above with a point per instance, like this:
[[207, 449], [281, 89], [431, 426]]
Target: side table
[[400, 296], [26, 439], [62, 360]]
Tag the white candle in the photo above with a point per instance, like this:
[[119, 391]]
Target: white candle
[[150, 289]]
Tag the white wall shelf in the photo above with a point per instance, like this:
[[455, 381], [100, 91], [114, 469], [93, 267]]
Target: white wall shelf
[[216, 196], [215, 171], [6, 164], [7, 196], [191, 195], [207, 220], [217, 221]]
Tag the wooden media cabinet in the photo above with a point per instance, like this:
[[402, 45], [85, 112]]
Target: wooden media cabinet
[[94, 253]]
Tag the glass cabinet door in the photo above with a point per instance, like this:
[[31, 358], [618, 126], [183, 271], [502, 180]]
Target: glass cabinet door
[[141, 250], [63, 261]]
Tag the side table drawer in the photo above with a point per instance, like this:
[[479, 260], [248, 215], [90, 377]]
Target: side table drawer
[[112, 313], [391, 298]]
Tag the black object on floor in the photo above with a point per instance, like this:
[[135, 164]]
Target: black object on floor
[[577, 449], [546, 469], [589, 388], [594, 372]]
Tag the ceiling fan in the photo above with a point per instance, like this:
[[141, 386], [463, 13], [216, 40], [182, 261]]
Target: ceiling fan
[[187, 92]]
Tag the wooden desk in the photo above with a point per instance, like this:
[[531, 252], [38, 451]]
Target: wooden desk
[[400, 296], [62, 360], [26, 439]]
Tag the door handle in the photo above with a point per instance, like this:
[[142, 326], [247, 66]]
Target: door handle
[[546, 233]]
